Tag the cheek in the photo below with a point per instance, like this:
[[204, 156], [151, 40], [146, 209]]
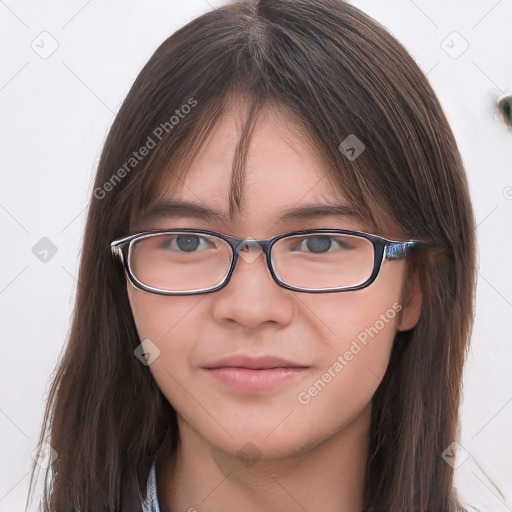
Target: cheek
[[372, 313], [161, 318], [359, 330], [169, 323]]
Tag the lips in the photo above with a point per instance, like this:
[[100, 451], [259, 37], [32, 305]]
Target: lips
[[262, 373], [254, 363]]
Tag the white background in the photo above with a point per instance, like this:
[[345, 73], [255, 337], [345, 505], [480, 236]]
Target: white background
[[55, 114]]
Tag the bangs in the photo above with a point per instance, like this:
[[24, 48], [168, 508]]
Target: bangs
[[172, 162], [170, 177]]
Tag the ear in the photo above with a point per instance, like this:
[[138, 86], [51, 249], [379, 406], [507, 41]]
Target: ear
[[412, 299]]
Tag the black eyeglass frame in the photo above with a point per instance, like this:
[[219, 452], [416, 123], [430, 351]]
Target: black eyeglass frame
[[383, 249]]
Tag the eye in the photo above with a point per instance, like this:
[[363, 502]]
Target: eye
[[319, 244], [185, 243]]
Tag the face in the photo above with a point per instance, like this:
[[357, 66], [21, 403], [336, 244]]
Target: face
[[216, 349]]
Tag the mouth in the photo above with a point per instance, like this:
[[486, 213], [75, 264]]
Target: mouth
[[255, 373]]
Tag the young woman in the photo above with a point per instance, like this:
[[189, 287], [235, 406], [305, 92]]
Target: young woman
[[277, 279]]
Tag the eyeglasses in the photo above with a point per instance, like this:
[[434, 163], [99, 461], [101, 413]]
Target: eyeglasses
[[191, 261]]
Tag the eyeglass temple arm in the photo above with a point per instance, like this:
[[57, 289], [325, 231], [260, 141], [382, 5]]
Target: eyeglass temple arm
[[398, 250]]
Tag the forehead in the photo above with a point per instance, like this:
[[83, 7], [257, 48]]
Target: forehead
[[281, 168]]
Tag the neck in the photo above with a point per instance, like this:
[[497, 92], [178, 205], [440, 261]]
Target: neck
[[328, 477]]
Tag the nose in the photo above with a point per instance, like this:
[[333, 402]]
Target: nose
[[252, 297]]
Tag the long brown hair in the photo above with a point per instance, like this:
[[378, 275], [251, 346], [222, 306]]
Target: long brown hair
[[336, 72]]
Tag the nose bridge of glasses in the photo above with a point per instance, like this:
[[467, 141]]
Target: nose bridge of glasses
[[243, 248], [249, 242]]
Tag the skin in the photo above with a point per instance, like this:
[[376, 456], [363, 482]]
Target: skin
[[295, 447]]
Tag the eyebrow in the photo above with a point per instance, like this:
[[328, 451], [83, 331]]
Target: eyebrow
[[167, 208]]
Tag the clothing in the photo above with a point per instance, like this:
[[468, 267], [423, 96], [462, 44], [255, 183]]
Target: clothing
[[150, 500]]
